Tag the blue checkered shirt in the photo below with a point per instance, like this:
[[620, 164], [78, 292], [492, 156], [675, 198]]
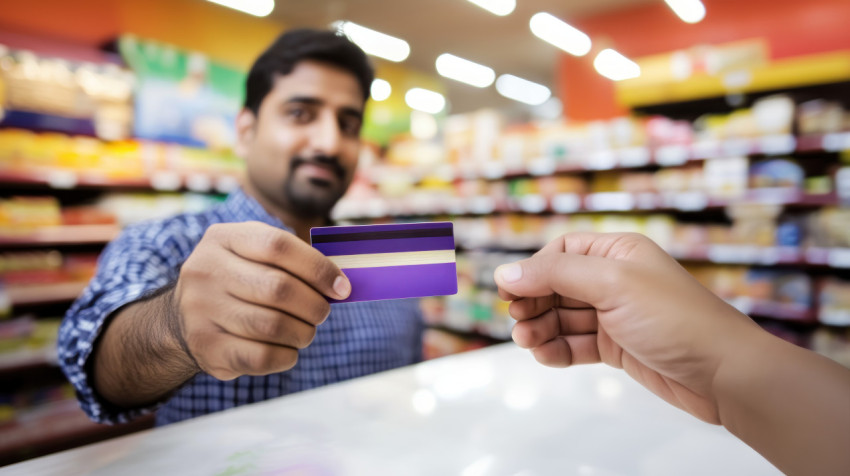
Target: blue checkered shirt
[[357, 339]]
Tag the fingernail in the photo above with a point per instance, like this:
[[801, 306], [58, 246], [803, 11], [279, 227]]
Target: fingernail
[[342, 287], [510, 273]]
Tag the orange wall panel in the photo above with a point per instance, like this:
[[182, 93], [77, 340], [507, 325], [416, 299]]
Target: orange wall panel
[[790, 27]]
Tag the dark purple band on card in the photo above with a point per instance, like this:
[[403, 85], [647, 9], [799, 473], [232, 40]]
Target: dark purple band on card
[[397, 282], [385, 246], [338, 230]]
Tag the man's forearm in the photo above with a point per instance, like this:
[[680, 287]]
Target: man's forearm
[[791, 405], [140, 358]]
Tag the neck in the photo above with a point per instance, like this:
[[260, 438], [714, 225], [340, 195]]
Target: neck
[[300, 225]]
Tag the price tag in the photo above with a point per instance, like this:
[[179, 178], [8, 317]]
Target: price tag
[[777, 144], [482, 205], [165, 180], [532, 203], [566, 203], [542, 166], [690, 201], [199, 183], [634, 157], [742, 303], [839, 258], [62, 179], [737, 147], [836, 141], [601, 160], [706, 149], [226, 184], [613, 201], [670, 155], [493, 170]]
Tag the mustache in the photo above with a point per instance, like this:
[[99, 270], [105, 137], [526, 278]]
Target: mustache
[[328, 161]]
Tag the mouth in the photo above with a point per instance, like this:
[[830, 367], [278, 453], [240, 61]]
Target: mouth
[[317, 174]]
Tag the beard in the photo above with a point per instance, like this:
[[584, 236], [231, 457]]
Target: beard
[[313, 197]]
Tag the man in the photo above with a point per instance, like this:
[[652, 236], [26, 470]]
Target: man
[[204, 312]]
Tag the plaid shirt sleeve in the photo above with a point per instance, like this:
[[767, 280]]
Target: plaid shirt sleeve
[[130, 267]]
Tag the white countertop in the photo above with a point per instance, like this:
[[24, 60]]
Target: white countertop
[[489, 412]]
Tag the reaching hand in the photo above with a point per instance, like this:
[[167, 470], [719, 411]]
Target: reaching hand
[[621, 300]]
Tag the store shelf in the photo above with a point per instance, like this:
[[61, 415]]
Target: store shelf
[[780, 74], [21, 295], [38, 121], [473, 333], [640, 157], [578, 203], [164, 181], [63, 235], [22, 360], [57, 426], [775, 310]]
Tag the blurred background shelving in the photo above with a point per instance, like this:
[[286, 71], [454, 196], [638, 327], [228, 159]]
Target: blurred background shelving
[[731, 149]]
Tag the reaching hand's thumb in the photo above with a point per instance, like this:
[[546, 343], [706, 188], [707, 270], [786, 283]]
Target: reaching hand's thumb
[[580, 277]]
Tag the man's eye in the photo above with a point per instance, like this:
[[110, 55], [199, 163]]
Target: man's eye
[[350, 126], [299, 114]]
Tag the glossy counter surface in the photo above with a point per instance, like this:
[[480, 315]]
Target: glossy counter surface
[[490, 412]]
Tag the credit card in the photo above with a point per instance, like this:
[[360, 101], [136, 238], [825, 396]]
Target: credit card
[[393, 261]]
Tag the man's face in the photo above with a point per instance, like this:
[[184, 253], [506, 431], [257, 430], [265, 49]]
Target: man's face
[[301, 149]]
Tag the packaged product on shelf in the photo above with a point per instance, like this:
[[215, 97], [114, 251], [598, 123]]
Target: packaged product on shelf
[[774, 115], [22, 215], [777, 174], [820, 116], [834, 302], [754, 223], [726, 178], [827, 228], [98, 94], [833, 343]]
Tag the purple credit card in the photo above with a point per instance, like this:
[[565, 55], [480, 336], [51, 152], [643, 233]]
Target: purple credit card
[[392, 261]]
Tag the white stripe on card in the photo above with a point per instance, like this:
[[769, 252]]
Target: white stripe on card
[[375, 260]]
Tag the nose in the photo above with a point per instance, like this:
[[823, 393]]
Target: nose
[[326, 137]]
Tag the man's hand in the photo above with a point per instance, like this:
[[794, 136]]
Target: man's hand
[[621, 300], [250, 296]]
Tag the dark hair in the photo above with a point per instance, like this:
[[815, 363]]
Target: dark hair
[[305, 44]]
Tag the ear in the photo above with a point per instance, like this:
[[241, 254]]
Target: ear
[[245, 132]]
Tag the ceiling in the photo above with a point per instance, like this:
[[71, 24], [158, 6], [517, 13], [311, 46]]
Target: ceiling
[[433, 27]]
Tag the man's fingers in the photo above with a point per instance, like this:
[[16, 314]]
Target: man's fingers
[[263, 243], [266, 325], [270, 287], [225, 356], [569, 350], [588, 279], [553, 323]]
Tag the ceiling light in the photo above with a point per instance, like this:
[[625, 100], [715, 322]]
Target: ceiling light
[[690, 11], [374, 42], [425, 100], [380, 89], [522, 90], [615, 66], [496, 7], [555, 31], [258, 8], [465, 71]]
